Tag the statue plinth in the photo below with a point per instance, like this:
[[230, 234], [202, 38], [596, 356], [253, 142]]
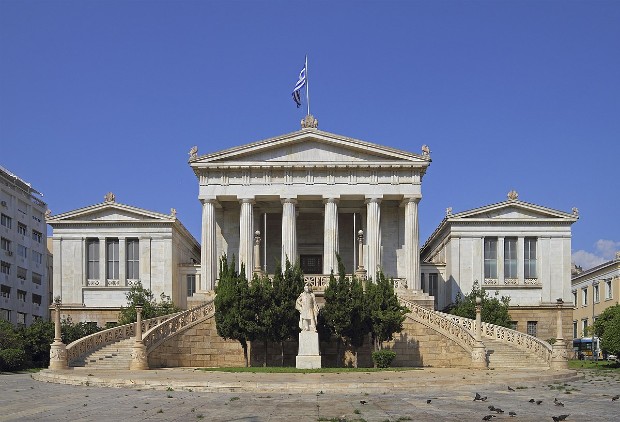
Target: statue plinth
[[308, 356], [479, 356], [559, 355], [139, 361], [58, 355]]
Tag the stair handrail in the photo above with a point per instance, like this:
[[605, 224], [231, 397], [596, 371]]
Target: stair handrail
[[156, 335], [442, 323], [520, 340], [90, 343]]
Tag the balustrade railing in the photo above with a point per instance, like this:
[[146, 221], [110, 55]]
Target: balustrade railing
[[442, 323], [93, 342], [520, 340], [156, 335]]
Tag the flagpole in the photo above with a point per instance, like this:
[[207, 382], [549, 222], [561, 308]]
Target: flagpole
[[307, 90]]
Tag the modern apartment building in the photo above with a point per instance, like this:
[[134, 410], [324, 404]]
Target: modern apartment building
[[24, 295]]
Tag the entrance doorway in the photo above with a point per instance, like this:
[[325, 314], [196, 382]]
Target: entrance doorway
[[311, 264]]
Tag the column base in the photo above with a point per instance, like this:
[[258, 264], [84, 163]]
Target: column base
[[479, 357], [559, 355], [139, 361], [58, 356]]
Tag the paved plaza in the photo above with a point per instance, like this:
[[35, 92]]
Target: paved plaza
[[429, 394]]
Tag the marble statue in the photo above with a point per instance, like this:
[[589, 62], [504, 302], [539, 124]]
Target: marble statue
[[308, 309]]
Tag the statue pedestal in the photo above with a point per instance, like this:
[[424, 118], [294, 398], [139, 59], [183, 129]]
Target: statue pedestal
[[308, 356]]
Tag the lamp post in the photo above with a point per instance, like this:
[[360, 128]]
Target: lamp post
[[559, 354], [138, 351], [478, 354], [360, 272], [58, 350]]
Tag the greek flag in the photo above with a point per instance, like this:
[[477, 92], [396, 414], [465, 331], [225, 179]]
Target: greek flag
[[299, 85]]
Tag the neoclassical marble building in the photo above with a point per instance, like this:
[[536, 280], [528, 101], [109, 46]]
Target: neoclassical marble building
[[306, 196], [101, 250]]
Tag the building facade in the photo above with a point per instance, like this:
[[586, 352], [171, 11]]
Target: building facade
[[102, 250], [593, 291], [307, 196], [23, 251], [512, 248]]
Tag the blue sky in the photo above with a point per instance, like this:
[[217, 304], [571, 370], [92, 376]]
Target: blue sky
[[99, 96]]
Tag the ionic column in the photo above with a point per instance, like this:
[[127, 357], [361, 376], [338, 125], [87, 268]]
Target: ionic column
[[208, 251], [412, 243], [246, 236], [330, 236], [373, 236], [289, 231]]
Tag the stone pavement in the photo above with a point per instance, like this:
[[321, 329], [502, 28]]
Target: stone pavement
[[279, 397]]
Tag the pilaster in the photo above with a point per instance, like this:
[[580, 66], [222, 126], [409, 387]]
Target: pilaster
[[102, 261]]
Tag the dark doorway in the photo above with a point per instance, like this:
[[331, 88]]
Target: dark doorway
[[311, 264]]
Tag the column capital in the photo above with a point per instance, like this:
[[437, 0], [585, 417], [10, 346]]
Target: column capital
[[246, 200], [288, 201], [411, 198], [373, 199], [331, 199], [208, 200]]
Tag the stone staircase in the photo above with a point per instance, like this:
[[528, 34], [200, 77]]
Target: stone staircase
[[505, 356], [113, 356]]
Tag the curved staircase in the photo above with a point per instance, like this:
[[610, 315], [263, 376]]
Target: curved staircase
[[113, 356], [502, 355]]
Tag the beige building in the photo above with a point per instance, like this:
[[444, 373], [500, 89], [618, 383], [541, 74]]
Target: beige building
[[593, 291], [100, 251], [511, 248], [305, 196], [23, 253]]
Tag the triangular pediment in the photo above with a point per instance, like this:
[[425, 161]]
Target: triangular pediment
[[309, 147], [512, 210], [109, 212]]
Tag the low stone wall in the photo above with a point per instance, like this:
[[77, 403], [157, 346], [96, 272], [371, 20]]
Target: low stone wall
[[200, 346]]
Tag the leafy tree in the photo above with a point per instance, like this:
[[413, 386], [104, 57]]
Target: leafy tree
[[151, 308], [37, 339], [494, 310], [12, 354], [234, 311], [386, 314], [75, 331], [607, 328]]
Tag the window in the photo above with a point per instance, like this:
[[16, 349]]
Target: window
[[36, 278], [6, 221], [532, 328], [423, 282], [191, 284], [133, 259], [21, 318], [22, 250], [510, 257], [5, 291], [5, 267], [37, 236], [584, 296], [608, 292], [92, 252], [22, 229], [597, 296], [584, 327], [432, 286], [5, 244], [574, 329], [37, 217], [21, 295], [575, 298], [36, 299], [529, 254], [513, 325], [22, 273], [5, 314], [37, 257], [112, 259], [490, 257]]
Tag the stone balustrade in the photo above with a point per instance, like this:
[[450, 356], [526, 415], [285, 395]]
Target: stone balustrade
[[177, 323], [87, 345]]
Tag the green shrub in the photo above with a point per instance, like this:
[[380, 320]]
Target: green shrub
[[383, 358], [12, 359]]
